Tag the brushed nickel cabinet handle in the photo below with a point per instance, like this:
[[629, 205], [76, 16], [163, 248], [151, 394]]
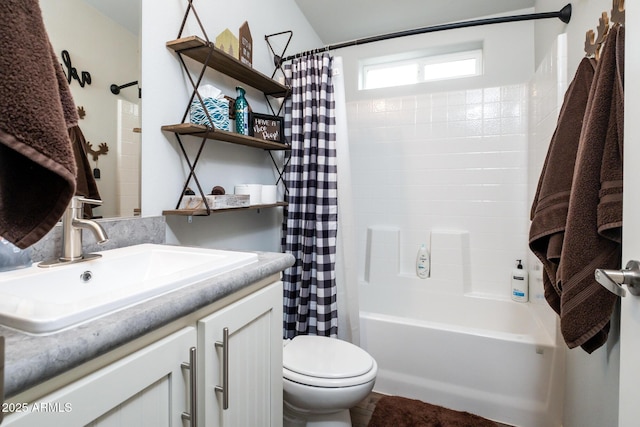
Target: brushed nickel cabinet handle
[[193, 389], [224, 389]]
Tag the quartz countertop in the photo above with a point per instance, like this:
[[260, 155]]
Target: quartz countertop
[[32, 359]]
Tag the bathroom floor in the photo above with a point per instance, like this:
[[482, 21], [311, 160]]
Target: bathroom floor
[[361, 413]]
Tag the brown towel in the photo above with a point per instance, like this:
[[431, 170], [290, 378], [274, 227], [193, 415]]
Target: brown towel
[[592, 236], [85, 182], [551, 202], [37, 166]]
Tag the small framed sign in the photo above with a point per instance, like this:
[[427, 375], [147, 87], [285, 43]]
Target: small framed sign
[[269, 128]]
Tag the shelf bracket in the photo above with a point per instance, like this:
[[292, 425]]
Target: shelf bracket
[[191, 8], [195, 85], [273, 111], [192, 173], [277, 59], [281, 172]]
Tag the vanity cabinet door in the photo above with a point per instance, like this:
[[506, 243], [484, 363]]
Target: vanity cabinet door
[[253, 365], [146, 388]]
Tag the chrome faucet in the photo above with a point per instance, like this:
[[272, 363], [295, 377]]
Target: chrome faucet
[[72, 225]]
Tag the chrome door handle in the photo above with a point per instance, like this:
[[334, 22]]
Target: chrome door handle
[[613, 280]]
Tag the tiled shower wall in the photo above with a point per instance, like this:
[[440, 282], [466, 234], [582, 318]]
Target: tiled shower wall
[[445, 161]]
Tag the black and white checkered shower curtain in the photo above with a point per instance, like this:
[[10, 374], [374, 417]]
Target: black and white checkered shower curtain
[[311, 218]]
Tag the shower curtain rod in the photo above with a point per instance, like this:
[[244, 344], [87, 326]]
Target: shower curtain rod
[[563, 14]]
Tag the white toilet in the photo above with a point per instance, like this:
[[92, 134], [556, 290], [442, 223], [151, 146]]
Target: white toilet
[[323, 378]]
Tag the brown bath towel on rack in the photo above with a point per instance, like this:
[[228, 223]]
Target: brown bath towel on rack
[[551, 202], [37, 166], [594, 221]]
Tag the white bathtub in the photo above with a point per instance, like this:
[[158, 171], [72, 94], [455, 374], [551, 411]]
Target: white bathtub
[[490, 357]]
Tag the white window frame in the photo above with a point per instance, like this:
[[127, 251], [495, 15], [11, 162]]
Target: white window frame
[[421, 63]]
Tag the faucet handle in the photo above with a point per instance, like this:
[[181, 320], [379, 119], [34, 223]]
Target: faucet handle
[[82, 199]]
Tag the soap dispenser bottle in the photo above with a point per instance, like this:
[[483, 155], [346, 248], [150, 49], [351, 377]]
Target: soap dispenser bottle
[[423, 263], [519, 283]]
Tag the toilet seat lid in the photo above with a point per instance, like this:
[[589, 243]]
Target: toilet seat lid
[[323, 357]]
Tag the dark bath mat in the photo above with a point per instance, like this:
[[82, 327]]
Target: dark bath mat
[[402, 412]]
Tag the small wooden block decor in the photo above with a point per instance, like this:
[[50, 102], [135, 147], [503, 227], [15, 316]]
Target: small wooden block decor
[[269, 128], [218, 201], [228, 43], [246, 44]]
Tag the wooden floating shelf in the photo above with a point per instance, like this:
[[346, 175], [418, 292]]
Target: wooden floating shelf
[[198, 49], [203, 212], [203, 131]]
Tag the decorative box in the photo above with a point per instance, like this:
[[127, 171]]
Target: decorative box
[[218, 110], [220, 201]]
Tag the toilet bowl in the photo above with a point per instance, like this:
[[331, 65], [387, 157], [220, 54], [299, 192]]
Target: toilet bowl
[[322, 379]]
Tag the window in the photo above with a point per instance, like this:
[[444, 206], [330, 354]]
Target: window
[[379, 73]]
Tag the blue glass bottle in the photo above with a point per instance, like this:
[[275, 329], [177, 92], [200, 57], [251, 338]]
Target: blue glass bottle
[[242, 112]]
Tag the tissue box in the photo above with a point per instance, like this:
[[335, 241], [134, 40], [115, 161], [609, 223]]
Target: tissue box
[[219, 201], [218, 110]]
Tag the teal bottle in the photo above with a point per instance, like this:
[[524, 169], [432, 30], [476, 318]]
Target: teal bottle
[[242, 112]]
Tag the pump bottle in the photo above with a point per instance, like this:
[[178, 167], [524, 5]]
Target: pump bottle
[[519, 283]]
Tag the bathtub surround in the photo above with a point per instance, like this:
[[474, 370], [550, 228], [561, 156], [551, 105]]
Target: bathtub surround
[[450, 263], [310, 226], [445, 161], [420, 331], [482, 355]]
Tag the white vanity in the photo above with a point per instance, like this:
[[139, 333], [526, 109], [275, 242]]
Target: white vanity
[[134, 366]]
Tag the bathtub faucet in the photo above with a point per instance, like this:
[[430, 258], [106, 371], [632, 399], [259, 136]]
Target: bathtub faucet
[[72, 225]]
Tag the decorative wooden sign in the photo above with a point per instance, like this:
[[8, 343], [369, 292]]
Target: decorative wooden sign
[[227, 42], [246, 44], [269, 128], [72, 73]]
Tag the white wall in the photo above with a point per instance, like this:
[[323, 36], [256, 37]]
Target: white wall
[[110, 53], [591, 381], [447, 155], [164, 101]]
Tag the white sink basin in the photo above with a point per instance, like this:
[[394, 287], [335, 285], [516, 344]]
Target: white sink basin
[[44, 300]]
